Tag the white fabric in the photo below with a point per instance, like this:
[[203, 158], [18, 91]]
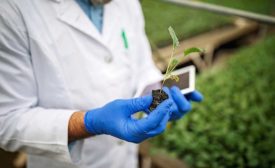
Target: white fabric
[[54, 62]]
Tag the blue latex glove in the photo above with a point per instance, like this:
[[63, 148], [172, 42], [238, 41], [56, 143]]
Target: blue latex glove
[[115, 119], [181, 103]]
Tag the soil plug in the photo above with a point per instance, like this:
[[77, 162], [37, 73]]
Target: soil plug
[[158, 97]]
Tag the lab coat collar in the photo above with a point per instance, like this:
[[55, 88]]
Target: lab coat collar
[[72, 14], [111, 20]]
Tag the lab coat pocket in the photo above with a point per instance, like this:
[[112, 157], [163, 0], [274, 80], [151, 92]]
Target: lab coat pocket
[[125, 45]]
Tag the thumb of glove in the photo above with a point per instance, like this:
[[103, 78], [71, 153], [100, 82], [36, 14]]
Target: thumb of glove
[[138, 104]]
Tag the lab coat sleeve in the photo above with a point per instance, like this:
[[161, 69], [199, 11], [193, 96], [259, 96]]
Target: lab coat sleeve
[[148, 72], [23, 125]]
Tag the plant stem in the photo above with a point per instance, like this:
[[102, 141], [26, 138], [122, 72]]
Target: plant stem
[[167, 69]]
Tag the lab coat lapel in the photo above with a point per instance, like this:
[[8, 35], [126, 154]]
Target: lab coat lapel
[[111, 20], [71, 14]]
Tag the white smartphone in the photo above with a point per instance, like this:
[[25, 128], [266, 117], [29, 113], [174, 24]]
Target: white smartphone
[[186, 82]]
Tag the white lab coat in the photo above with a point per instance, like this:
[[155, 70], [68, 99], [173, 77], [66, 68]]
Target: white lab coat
[[53, 62]]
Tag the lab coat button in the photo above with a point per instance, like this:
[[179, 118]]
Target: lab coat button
[[108, 59]]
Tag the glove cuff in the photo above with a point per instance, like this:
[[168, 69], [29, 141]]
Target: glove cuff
[[89, 122]]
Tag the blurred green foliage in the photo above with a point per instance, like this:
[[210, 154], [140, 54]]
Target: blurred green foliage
[[258, 6], [189, 22], [235, 124]]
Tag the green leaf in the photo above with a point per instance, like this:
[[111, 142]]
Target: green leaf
[[174, 37], [192, 50]]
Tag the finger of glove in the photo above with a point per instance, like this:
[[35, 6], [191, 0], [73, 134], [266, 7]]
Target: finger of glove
[[182, 103], [195, 96], [155, 117], [176, 113], [138, 104], [168, 92], [147, 111], [160, 128]]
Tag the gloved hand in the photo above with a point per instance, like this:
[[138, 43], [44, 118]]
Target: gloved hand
[[181, 103], [115, 119]]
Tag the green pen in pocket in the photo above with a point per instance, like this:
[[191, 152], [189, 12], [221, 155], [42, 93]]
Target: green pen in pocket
[[125, 40]]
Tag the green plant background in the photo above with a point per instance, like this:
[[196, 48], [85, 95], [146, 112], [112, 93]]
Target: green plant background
[[235, 125], [189, 22]]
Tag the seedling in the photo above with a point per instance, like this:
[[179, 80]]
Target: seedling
[[159, 95]]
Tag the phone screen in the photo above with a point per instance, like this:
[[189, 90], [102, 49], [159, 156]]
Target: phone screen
[[186, 81], [183, 83]]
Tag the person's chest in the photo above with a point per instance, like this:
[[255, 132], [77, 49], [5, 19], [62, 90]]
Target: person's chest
[[71, 59]]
